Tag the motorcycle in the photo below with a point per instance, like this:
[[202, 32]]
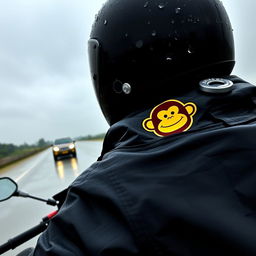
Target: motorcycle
[[8, 189]]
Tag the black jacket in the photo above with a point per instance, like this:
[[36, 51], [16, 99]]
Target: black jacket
[[189, 193]]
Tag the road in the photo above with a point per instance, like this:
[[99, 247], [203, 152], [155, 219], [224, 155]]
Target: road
[[40, 176]]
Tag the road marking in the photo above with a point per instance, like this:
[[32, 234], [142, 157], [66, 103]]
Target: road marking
[[30, 169]]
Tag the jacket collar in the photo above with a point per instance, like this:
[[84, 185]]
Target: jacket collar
[[213, 111]]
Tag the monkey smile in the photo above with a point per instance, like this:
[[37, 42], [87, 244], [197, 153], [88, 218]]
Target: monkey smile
[[172, 124]]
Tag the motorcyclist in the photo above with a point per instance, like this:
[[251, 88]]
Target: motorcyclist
[[176, 174]]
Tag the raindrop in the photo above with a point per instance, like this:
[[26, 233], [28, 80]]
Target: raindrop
[[153, 33], [176, 35], [146, 5], [149, 22], [126, 35], [172, 21], [169, 59], [161, 6], [178, 10], [105, 22], [139, 44], [190, 49]]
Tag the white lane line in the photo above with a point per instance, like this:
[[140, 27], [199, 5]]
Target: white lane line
[[31, 168]]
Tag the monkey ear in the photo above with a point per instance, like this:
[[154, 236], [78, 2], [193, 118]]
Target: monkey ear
[[148, 124], [191, 108]]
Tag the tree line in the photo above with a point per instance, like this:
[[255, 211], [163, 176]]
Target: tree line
[[13, 150], [92, 137]]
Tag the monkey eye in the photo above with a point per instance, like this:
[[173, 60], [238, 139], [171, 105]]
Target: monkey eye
[[172, 113], [165, 116]]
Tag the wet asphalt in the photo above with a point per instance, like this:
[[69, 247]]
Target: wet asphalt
[[40, 176]]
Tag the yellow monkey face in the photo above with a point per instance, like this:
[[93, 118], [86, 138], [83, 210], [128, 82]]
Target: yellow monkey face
[[170, 117], [171, 120]]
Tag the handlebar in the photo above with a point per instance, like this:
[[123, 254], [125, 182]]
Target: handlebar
[[27, 235]]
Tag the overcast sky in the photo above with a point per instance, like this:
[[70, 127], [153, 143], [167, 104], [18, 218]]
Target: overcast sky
[[46, 88]]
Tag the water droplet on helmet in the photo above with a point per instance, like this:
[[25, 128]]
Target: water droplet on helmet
[[105, 22], [169, 58], [190, 49], [153, 33], [176, 35], [178, 10], [161, 5], [146, 5], [96, 17], [172, 21], [139, 44]]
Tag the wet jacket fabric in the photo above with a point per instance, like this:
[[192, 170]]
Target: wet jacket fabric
[[189, 193]]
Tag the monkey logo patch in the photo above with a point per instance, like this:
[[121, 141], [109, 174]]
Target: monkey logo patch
[[169, 117]]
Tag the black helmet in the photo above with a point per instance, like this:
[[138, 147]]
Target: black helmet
[[143, 51]]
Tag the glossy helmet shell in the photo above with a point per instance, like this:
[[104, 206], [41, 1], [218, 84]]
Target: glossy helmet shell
[[142, 51]]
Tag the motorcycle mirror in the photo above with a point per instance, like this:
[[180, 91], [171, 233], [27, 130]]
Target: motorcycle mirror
[[8, 188]]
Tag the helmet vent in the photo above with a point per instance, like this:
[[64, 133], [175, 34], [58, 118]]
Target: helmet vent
[[120, 87], [127, 88]]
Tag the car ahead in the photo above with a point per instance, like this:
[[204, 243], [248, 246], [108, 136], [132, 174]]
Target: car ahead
[[63, 147]]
